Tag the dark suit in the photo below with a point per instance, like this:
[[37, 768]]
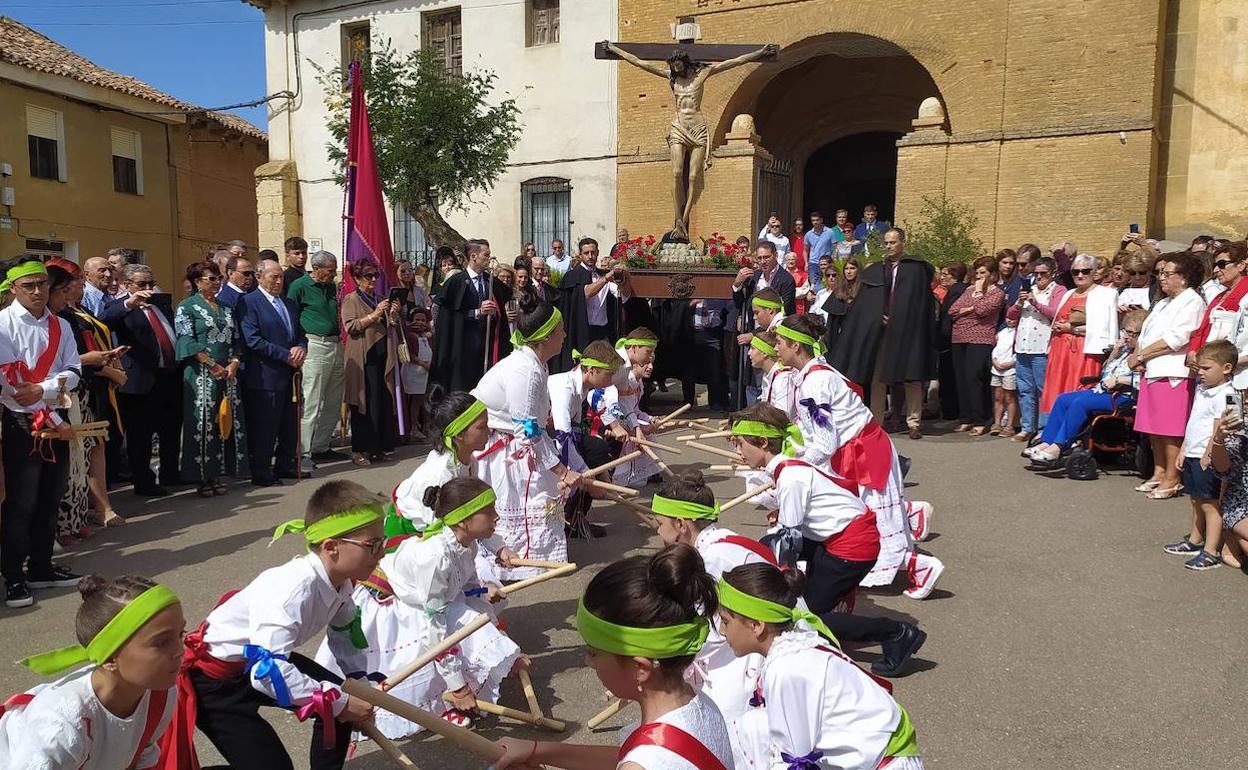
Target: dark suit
[[228, 296], [459, 341], [267, 384], [781, 283], [151, 400]]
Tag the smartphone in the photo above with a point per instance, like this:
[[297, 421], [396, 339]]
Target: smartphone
[[1134, 228], [397, 295], [161, 299], [1234, 400]]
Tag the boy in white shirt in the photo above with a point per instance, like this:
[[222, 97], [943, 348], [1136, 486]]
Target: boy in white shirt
[[1214, 364], [1004, 381]]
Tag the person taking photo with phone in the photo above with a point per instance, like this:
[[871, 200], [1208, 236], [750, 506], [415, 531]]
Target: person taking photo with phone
[[371, 365]]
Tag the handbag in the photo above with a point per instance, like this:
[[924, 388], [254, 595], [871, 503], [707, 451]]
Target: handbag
[[225, 417]]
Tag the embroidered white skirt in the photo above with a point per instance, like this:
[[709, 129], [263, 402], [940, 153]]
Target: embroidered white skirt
[[891, 517], [529, 504]]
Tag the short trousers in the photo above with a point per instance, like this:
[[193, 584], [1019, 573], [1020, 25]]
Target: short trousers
[[1007, 381], [1200, 483]]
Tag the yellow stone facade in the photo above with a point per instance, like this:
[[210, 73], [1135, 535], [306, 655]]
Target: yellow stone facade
[[1062, 119]]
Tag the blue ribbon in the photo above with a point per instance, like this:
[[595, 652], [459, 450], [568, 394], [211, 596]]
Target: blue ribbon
[[262, 664], [564, 439], [471, 592], [530, 426], [816, 411], [808, 762]]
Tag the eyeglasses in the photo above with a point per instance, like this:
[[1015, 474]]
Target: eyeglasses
[[369, 276], [1040, 273], [1081, 271], [1131, 332], [144, 284], [32, 285], [1168, 273], [375, 547], [210, 277]]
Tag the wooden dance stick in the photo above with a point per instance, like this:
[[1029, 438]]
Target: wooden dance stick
[[386, 745], [662, 465], [539, 563], [628, 458], [605, 714], [730, 468], [766, 485], [672, 415], [657, 445], [608, 487], [566, 569], [545, 723], [465, 739], [431, 654], [643, 512], [530, 695], [716, 434], [715, 450]]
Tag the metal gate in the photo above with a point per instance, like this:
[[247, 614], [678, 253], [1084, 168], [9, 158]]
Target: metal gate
[[775, 192]]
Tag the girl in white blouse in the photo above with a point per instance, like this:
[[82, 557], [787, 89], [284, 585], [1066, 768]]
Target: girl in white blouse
[[111, 711]]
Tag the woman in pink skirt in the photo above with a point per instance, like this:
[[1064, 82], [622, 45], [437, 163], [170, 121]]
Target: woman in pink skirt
[[1167, 386]]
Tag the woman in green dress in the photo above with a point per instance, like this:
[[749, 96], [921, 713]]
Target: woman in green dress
[[213, 440]]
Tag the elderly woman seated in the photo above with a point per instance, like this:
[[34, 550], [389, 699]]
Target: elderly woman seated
[[1072, 410]]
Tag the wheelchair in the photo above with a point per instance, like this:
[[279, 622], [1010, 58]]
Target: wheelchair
[[1109, 438]]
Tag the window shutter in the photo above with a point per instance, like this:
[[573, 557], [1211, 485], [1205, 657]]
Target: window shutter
[[125, 144], [41, 123]]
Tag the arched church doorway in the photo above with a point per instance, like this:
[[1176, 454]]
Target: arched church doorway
[[832, 116]]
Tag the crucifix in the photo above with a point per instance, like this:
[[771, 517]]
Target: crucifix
[[687, 65]]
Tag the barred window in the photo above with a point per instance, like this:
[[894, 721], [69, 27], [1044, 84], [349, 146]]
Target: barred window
[[545, 212], [409, 240], [543, 22], [444, 33], [356, 44]]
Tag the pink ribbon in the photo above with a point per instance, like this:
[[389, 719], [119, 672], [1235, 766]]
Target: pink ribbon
[[322, 705]]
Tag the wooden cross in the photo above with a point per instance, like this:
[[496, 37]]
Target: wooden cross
[[686, 32]]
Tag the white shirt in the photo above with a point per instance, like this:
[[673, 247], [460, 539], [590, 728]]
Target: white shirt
[[778, 387], [821, 701], [1233, 327], [1135, 296], [281, 610], [567, 394], [1207, 406], [845, 417], [66, 727], [25, 338], [559, 264], [431, 574], [624, 396], [596, 306], [1172, 319], [1210, 289], [699, 718], [439, 467], [811, 502], [516, 389], [1003, 351], [781, 240], [1034, 329]]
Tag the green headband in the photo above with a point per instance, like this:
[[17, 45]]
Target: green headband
[[543, 331], [792, 435], [657, 643], [592, 363], [768, 612], [461, 423], [760, 302], [110, 639], [21, 271], [683, 509], [805, 339], [334, 525], [634, 342], [473, 506], [762, 347]]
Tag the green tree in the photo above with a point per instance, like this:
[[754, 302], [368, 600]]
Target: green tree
[[944, 233], [439, 137]]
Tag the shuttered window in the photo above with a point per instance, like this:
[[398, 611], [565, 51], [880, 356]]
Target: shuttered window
[[444, 32], [127, 162], [45, 144], [543, 22]]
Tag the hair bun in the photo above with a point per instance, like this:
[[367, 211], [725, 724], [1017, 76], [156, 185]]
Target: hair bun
[[91, 585], [678, 573], [693, 477], [430, 498], [796, 580]]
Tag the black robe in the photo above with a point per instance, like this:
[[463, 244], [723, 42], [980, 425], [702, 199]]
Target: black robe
[[902, 351], [574, 306], [836, 308], [459, 338], [674, 354]]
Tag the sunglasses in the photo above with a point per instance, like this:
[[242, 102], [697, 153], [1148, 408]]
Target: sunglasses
[[1222, 263], [213, 278], [1081, 271], [247, 273]]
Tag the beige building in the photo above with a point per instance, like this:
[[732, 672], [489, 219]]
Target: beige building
[[91, 160], [1053, 120]]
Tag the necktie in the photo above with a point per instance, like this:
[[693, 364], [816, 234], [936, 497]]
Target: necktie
[[280, 309], [481, 287], [162, 337]]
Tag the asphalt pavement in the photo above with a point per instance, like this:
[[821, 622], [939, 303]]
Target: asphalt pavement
[[1060, 635]]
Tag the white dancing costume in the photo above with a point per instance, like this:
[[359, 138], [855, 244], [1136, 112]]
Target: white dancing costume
[[415, 600], [567, 396], [831, 415], [439, 467], [701, 720], [66, 727], [518, 459], [823, 707], [623, 399]]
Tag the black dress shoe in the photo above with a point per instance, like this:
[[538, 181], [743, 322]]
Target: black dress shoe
[[898, 651], [287, 475], [152, 490], [273, 482], [330, 456]]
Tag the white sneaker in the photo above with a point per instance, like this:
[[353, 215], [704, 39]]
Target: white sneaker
[[924, 573], [919, 515]]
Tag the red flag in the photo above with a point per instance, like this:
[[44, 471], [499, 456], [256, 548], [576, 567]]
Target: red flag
[[366, 233]]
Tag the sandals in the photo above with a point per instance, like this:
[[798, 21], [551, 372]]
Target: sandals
[[1165, 494], [977, 431], [1148, 486], [109, 518], [361, 459], [963, 428]]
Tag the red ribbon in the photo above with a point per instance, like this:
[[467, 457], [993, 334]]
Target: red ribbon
[[322, 705]]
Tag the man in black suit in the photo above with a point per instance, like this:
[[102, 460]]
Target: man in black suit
[[766, 274], [275, 348], [240, 279], [151, 399], [459, 335]]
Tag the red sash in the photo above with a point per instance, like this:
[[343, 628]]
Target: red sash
[[860, 539], [753, 546], [866, 458], [1228, 301], [17, 372], [881, 681], [675, 740], [177, 744], [44, 364]]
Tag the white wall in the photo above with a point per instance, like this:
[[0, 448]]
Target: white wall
[[567, 102]]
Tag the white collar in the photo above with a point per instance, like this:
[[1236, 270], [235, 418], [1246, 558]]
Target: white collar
[[711, 534], [1216, 390], [790, 642], [770, 467], [318, 569], [238, 289], [25, 315]]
